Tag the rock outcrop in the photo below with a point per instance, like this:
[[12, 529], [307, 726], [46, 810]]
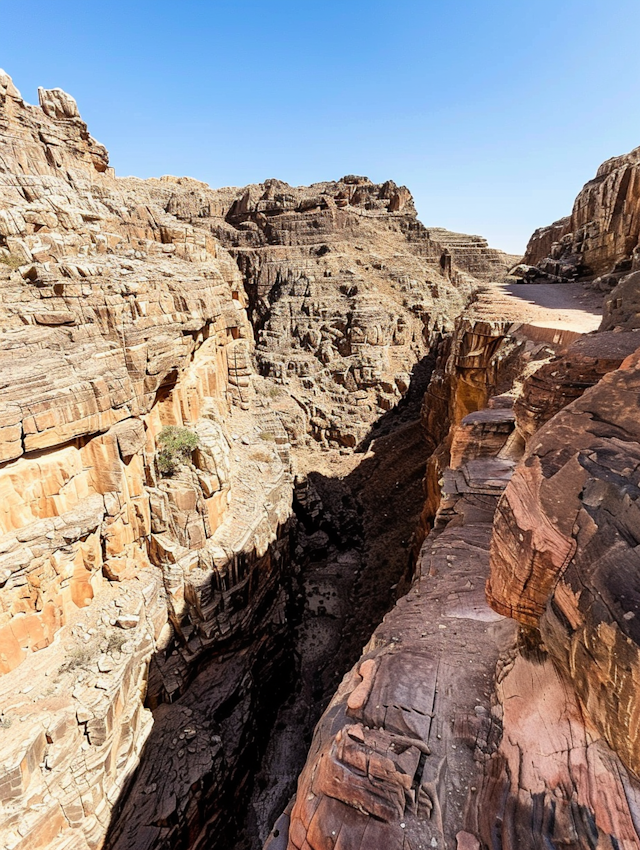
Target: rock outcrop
[[144, 632], [598, 243], [117, 583], [602, 232], [564, 547], [453, 730], [347, 290], [148, 606]]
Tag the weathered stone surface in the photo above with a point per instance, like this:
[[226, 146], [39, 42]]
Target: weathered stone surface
[[415, 748], [603, 229], [115, 581], [421, 685], [347, 290], [122, 312], [143, 616], [564, 547], [565, 378], [390, 761]]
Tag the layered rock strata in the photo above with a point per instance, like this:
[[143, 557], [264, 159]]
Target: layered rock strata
[[347, 290], [144, 630], [389, 763], [600, 237], [564, 549], [421, 745], [118, 583]]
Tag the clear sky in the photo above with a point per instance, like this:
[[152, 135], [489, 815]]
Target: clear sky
[[493, 113]]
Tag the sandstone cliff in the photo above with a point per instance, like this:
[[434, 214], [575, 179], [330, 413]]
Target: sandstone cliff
[[144, 630], [601, 234], [452, 733], [117, 320], [347, 290], [150, 618]]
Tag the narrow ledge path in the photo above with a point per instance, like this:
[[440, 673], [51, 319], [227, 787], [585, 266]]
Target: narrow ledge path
[[427, 741]]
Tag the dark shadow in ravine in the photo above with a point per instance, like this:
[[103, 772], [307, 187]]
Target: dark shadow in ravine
[[222, 759]]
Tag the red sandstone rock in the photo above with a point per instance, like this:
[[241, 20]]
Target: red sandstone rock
[[563, 550], [603, 228]]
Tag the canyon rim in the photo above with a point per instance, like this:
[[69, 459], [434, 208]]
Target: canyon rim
[[318, 526]]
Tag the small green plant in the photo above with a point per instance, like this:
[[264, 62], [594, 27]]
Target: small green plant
[[11, 261], [176, 446], [117, 640], [267, 436], [78, 658]]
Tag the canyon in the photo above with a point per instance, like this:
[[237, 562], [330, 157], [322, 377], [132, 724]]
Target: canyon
[[402, 440]]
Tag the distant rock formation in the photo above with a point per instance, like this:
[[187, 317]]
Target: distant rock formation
[[142, 612], [347, 289], [601, 235]]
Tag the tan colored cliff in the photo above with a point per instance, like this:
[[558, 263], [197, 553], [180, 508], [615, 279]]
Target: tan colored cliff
[[347, 290], [117, 320], [602, 232]]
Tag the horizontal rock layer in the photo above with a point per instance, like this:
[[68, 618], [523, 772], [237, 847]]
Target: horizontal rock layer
[[449, 731], [118, 583]]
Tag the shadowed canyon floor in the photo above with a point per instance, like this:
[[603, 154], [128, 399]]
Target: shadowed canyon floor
[[454, 729], [385, 423]]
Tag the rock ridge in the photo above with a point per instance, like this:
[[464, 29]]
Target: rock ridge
[[144, 617]]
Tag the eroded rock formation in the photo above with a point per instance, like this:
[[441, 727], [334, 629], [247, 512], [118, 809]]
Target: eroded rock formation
[[117, 320], [148, 616], [453, 730], [347, 290], [602, 232], [144, 632]]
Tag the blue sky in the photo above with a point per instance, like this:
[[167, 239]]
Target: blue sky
[[494, 114]]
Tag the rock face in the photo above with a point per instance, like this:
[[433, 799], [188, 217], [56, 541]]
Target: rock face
[[347, 290], [392, 760], [116, 582], [144, 632], [602, 232], [564, 547], [452, 730], [566, 377], [146, 635]]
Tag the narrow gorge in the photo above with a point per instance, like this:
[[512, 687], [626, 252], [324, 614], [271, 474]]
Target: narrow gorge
[[380, 590]]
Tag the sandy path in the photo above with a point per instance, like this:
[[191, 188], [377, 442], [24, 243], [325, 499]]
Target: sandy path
[[567, 306]]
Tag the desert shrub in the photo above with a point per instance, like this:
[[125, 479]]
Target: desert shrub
[[80, 657], [176, 446], [267, 436], [116, 641], [11, 261], [261, 455]]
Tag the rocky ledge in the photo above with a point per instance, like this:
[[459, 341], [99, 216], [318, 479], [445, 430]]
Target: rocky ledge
[[145, 633]]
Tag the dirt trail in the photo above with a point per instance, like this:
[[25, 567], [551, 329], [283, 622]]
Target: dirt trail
[[566, 306]]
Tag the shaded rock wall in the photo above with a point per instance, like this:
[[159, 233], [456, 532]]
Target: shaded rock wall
[[563, 551], [603, 228], [118, 583]]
